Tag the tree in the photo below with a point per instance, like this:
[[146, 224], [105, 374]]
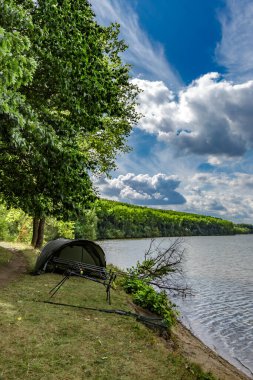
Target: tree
[[17, 120], [82, 107], [17, 68], [86, 225]]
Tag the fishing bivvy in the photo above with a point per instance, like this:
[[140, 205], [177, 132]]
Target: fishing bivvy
[[80, 258]]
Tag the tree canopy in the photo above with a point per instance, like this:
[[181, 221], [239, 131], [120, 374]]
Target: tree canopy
[[122, 220], [67, 104]]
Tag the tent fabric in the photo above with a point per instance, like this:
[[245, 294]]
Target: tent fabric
[[80, 250]]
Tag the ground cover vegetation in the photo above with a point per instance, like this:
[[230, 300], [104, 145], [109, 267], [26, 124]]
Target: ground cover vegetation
[[5, 256], [40, 340], [66, 106]]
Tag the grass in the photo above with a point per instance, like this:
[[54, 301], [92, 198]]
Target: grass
[[48, 342], [5, 256]]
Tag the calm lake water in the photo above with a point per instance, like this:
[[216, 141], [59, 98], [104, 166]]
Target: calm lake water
[[220, 271]]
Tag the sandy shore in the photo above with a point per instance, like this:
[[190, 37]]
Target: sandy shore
[[196, 351], [182, 340]]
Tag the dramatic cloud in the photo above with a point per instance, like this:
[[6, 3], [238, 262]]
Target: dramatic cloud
[[142, 189], [235, 51], [223, 195], [202, 132], [217, 194], [209, 117], [147, 57]]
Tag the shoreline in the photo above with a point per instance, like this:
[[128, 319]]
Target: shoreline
[[183, 341], [192, 348], [196, 351]]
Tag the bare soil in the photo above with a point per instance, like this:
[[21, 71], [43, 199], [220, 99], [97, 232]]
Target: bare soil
[[14, 268]]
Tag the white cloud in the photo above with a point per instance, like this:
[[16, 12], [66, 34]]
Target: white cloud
[[142, 189], [219, 116], [224, 195], [235, 50], [210, 117], [146, 56], [218, 194]]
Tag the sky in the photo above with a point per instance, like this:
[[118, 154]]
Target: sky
[[192, 150]]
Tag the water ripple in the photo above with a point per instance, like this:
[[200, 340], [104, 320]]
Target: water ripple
[[221, 313], [220, 272]]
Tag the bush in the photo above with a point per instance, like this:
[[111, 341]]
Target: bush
[[15, 225], [147, 297]]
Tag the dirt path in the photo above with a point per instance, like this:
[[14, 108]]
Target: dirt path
[[14, 268]]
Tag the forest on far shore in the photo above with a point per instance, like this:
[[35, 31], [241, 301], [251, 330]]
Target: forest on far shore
[[122, 220], [114, 220]]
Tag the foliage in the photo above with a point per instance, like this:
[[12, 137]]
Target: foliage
[[157, 271], [81, 91], [17, 120], [162, 267], [55, 229], [122, 220], [4, 231], [16, 226], [243, 228], [70, 109], [86, 225], [145, 296], [16, 62]]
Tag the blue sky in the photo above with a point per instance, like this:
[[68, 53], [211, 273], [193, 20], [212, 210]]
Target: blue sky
[[192, 151], [188, 31]]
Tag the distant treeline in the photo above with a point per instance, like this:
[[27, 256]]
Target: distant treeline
[[111, 219]]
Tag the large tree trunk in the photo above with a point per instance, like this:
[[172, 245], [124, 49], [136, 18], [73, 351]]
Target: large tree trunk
[[38, 232], [35, 231]]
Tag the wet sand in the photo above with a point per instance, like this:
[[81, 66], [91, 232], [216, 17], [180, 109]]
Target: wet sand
[[196, 351]]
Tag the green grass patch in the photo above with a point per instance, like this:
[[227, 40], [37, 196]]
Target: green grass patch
[[5, 256], [48, 342]]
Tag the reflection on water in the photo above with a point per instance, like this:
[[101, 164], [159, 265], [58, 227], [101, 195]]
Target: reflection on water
[[220, 271]]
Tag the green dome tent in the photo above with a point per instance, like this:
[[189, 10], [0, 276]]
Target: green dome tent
[[83, 251]]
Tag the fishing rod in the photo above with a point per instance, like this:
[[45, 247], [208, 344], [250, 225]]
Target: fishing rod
[[150, 321]]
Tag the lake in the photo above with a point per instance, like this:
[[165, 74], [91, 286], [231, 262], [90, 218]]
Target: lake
[[219, 270]]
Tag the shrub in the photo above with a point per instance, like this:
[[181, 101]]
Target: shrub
[[147, 297]]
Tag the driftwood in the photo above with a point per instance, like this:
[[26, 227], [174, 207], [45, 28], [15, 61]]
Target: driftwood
[[162, 267]]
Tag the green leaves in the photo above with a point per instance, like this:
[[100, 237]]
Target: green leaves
[[145, 296], [81, 73], [66, 104], [124, 220], [16, 61]]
